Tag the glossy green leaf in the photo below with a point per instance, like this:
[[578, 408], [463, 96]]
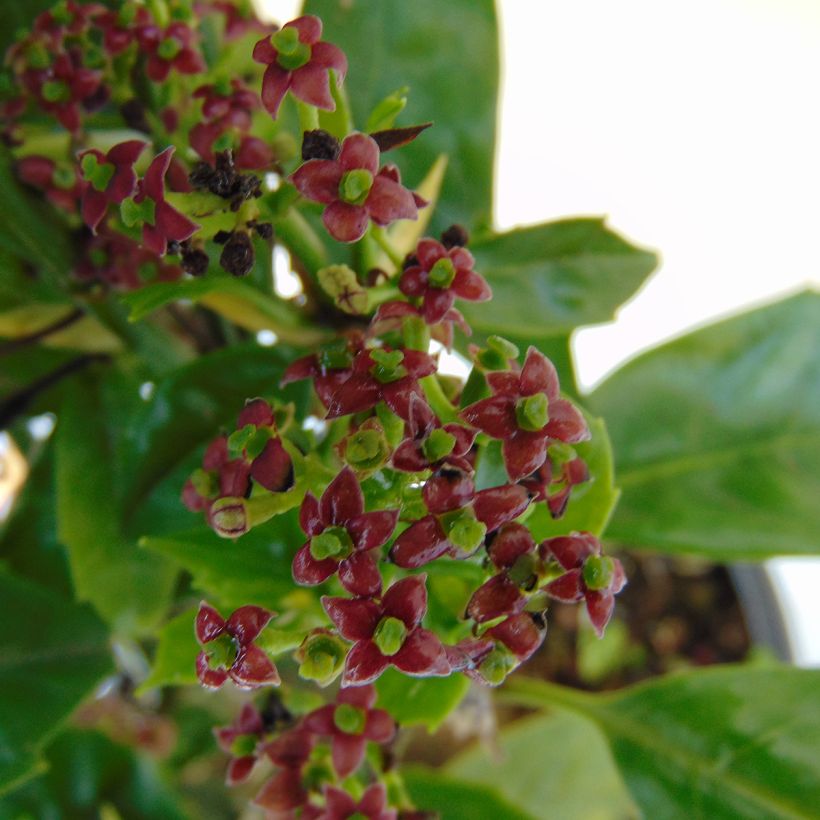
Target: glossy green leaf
[[129, 588], [253, 569], [390, 44], [420, 701], [549, 279], [458, 800], [555, 766], [92, 776], [174, 661], [721, 743], [717, 437], [51, 657]]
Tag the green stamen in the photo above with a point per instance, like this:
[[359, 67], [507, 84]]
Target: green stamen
[[438, 445], [355, 186], [334, 542], [221, 652], [244, 745], [168, 48], [532, 412], [388, 367], [389, 636], [349, 719], [597, 572], [292, 53], [442, 273]]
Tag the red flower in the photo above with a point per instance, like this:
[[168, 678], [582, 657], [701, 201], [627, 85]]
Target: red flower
[[384, 375], [171, 48], [120, 27], [241, 741], [297, 61], [166, 223], [339, 805], [430, 446], [110, 178], [441, 275], [388, 633], [355, 190], [527, 413], [590, 576], [350, 723], [341, 536], [461, 532], [554, 484], [391, 314], [284, 792], [228, 650], [61, 185]]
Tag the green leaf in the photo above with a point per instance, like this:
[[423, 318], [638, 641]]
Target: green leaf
[[548, 279], [175, 656], [420, 701], [456, 800], [51, 657], [129, 588], [254, 569], [717, 437], [554, 766], [724, 743], [391, 43]]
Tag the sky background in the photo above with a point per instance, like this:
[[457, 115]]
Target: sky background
[[696, 129]]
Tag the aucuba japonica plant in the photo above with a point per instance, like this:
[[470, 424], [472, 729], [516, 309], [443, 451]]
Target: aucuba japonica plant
[[363, 534]]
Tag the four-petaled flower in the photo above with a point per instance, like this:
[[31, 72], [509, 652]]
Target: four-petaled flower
[[350, 723], [354, 190], [228, 649], [439, 276], [169, 48], [285, 792], [299, 62], [110, 178], [339, 805], [388, 633], [341, 536], [526, 412], [590, 576], [241, 741]]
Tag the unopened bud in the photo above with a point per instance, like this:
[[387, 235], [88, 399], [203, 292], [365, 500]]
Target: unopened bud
[[321, 656], [341, 284], [598, 571], [366, 449], [497, 665], [228, 517]]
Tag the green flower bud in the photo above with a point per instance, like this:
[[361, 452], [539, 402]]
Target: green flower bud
[[341, 284], [497, 665], [532, 412], [321, 657], [392, 425], [389, 635], [501, 346], [355, 185], [438, 444], [349, 719], [367, 449], [442, 273], [206, 483], [229, 517], [597, 572]]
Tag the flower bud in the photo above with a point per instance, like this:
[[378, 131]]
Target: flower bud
[[321, 656], [340, 283], [228, 517], [367, 449]]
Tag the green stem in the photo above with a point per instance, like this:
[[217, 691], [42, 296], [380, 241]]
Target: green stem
[[438, 401], [296, 234], [308, 116], [380, 235], [539, 694]]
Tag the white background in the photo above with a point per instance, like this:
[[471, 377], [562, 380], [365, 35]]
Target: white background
[[695, 128]]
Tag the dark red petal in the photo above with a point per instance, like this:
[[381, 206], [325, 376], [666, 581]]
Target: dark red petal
[[342, 500], [566, 422], [471, 286], [291, 749], [372, 529], [464, 438], [264, 52], [428, 252], [239, 770], [618, 577], [413, 281], [407, 600], [303, 368], [310, 517], [309, 571], [504, 383], [273, 468], [346, 223], [498, 505], [320, 721], [358, 393], [249, 721], [209, 623], [153, 239], [359, 575], [362, 696], [494, 598], [126, 153], [524, 452], [153, 183], [253, 154], [253, 668], [437, 303], [172, 223], [247, 622], [257, 412], [449, 490], [396, 395], [394, 310], [600, 606], [210, 678], [356, 620], [359, 151], [318, 179], [327, 56], [519, 634], [422, 654], [309, 28], [468, 653], [94, 206], [364, 664], [388, 201], [568, 587], [571, 550], [234, 477], [513, 541], [348, 753], [494, 416], [374, 801], [339, 805], [422, 542], [379, 727], [538, 375], [419, 364], [409, 458], [122, 184], [282, 793], [275, 84], [311, 84]]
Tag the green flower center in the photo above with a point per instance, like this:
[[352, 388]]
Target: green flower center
[[63, 177], [221, 652], [292, 53], [438, 445], [335, 356], [497, 665], [532, 412], [464, 530], [389, 635], [321, 657], [497, 353], [355, 185], [54, 91], [388, 365], [169, 48], [442, 273], [334, 542], [366, 449], [244, 745], [349, 719], [136, 213], [250, 440], [598, 571]]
